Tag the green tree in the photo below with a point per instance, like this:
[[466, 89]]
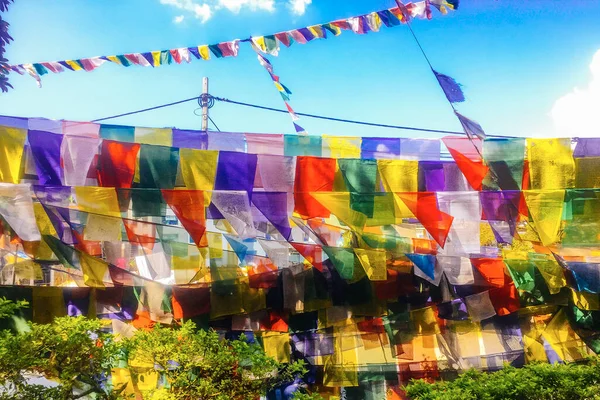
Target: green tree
[[198, 364], [537, 381], [74, 351], [5, 39], [79, 355]]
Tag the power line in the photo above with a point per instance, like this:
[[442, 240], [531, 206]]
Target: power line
[[146, 109], [365, 123], [213, 122], [349, 121]]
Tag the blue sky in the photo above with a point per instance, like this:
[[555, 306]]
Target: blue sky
[[514, 58]]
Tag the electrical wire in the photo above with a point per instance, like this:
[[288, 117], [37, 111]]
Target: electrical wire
[[213, 122], [211, 99], [349, 121], [146, 109]]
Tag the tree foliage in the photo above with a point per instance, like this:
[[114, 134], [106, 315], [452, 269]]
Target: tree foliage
[[5, 39], [8, 308], [72, 351], [538, 381], [80, 356], [199, 365]]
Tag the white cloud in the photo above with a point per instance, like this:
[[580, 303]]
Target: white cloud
[[202, 11], [236, 5], [299, 6], [577, 114]]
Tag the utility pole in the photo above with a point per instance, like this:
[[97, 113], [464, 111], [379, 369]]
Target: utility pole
[[204, 100]]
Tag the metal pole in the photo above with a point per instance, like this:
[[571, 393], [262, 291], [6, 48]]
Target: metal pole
[[205, 103]]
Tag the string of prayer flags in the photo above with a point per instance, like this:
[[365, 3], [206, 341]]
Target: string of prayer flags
[[375, 260], [283, 90], [268, 44]]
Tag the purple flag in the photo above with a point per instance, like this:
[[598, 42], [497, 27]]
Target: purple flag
[[14, 122], [500, 208], [190, 139], [587, 147], [420, 149], [45, 148], [77, 301], [227, 141], [298, 128], [450, 87], [431, 176], [235, 171], [273, 205], [378, 148]]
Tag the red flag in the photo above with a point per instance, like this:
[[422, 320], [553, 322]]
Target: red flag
[[424, 206], [492, 270], [313, 253], [140, 232], [188, 206], [467, 154], [116, 165], [506, 298], [313, 174]]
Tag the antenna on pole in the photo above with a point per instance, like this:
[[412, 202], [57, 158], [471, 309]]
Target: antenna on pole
[[204, 100]]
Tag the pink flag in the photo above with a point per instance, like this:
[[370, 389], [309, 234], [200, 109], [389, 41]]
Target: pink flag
[[284, 38]]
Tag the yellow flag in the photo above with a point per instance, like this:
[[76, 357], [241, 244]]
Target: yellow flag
[[43, 221], [215, 244], [338, 203], [101, 228], [424, 321], [384, 210], [199, 168], [399, 175], [94, 270], [563, 339], [156, 136], [47, 303], [373, 262], [277, 346], [341, 147], [551, 164], [120, 377], [260, 42], [12, 142], [98, 200], [341, 368], [156, 58], [317, 30], [587, 172], [147, 381], [553, 274], [74, 65], [534, 347], [204, 52], [546, 208], [115, 59], [586, 301]]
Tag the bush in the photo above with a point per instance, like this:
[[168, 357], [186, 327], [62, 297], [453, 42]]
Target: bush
[[200, 365], [538, 381], [79, 359]]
